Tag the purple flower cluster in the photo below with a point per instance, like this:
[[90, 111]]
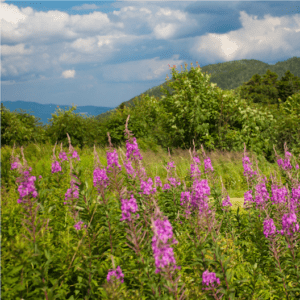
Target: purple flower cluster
[[129, 169], [133, 149], [78, 225], [133, 154], [128, 207], [27, 191], [269, 227], [100, 178], [56, 167], [201, 192], [171, 179], [285, 164], [207, 165], [248, 198], [289, 221], [195, 172], [158, 181], [210, 278], [117, 273], [73, 192], [163, 253], [112, 160], [296, 193], [261, 194], [226, 201], [26, 186], [173, 182], [147, 188], [248, 172], [278, 194], [198, 199]]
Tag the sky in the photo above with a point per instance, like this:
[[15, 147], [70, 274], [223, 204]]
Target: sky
[[104, 53]]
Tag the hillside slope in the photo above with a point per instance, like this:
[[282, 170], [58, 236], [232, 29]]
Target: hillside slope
[[227, 76]]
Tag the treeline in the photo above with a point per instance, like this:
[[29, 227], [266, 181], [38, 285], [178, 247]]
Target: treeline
[[196, 110], [267, 90]]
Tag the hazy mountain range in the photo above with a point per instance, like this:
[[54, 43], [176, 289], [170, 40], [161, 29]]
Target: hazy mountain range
[[44, 111], [228, 75]]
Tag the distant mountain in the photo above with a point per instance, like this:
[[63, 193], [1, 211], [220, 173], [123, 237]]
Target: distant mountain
[[228, 76], [44, 111]]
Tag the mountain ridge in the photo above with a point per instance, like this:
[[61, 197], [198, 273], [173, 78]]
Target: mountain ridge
[[240, 71]]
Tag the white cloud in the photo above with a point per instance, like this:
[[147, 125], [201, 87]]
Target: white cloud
[[254, 38], [12, 15], [68, 74], [148, 69], [7, 50], [134, 44]]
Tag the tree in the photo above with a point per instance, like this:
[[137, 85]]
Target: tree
[[192, 110], [267, 89], [288, 85], [261, 89]]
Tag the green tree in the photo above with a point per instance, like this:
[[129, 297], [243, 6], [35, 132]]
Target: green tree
[[192, 110], [267, 90], [288, 85], [81, 131], [261, 89], [288, 124], [20, 128]]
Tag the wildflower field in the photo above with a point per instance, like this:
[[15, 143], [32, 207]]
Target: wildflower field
[[126, 226]]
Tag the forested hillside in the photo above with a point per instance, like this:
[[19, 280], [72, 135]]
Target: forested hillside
[[230, 76]]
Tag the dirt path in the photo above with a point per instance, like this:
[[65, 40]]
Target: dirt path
[[235, 202]]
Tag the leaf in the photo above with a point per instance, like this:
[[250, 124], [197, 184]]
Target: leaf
[[15, 270]]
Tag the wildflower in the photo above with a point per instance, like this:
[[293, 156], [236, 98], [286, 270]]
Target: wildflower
[[112, 160], [158, 181], [209, 278], [128, 207], [247, 167], [100, 177], [248, 197], [261, 194], [269, 227], [78, 225], [278, 195], [117, 273], [207, 164], [146, 187], [289, 221], [163, 253], [226, 202]]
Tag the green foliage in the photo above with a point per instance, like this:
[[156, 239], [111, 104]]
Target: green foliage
[[288, 124], [267, 90], [81, 131], [288, 86], [192, 111], [20, 128], [143, 121]]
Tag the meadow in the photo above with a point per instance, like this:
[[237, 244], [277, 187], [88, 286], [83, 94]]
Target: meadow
[[98, 223]]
